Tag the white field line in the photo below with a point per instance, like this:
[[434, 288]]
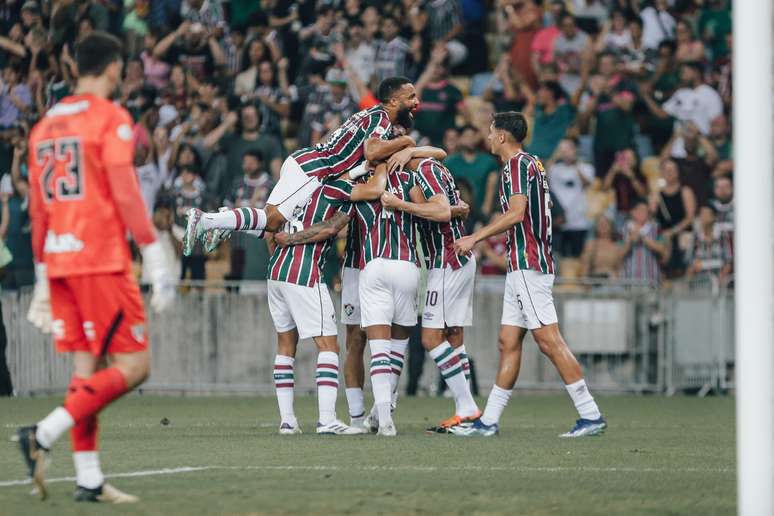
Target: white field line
[[429, 469]]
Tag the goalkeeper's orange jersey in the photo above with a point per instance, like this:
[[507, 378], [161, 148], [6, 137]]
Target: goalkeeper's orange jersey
[[84, 193]]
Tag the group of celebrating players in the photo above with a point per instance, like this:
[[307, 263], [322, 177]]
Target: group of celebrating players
[[369, 177]]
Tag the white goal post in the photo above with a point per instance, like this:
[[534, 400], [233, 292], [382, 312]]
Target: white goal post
[[753, 86]]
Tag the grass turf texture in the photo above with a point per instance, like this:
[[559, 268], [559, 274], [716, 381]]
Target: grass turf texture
[[659, 456]]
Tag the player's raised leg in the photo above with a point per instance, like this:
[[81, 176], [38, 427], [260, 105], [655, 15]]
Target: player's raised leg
[[292, 190]]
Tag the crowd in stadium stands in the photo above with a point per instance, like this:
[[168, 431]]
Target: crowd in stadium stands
[[628, 103]]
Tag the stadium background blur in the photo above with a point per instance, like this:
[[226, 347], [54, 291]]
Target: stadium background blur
[[627, 100]]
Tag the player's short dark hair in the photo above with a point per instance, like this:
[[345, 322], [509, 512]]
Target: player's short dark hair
[[513, 122], [255, 153], [96, 51], [389, 86]]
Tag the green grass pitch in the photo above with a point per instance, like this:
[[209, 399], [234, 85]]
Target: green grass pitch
[[659, 456]]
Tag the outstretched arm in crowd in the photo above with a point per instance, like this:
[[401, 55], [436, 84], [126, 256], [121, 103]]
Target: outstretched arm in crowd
[[214, 136], [12, 47], [167, 41]]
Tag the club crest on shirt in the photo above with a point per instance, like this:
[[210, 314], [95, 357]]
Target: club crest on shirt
[[349, 309]]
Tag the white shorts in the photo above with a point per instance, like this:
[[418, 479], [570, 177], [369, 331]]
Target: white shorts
[[449, 297], [528, 301], [293, 189], [388, 293], [350, 296], [309, 309]]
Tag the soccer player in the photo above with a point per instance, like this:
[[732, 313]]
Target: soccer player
[[84, 196], [528, 301], [300, 304], [448, 304], [365, 136]]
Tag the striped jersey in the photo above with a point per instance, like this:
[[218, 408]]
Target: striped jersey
[[438, 237], [386, 233], [302, 264], [345, 148], [529, 241], [353, 247]]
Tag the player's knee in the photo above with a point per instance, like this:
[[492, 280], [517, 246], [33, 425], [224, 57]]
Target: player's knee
[[135, 369], [548, 345], [505, 345]]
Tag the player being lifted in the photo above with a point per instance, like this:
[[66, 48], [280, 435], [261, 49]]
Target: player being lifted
[[84, 197], [300, 304], [448, 304], [528, 302], [363, 137]]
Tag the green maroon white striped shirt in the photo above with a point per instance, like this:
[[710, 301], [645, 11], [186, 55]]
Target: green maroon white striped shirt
[[438, 237], [302, 264], [345, 149], [529, 242], [386, 233]]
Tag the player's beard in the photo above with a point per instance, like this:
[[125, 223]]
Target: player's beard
[[405, 119]]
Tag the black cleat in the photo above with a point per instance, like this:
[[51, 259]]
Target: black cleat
[[35, 457], [103, 494]]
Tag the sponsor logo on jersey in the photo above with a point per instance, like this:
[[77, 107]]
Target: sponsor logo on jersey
[[64, 243], [124, 132], [89, 331], [138, 332], [349, 309]]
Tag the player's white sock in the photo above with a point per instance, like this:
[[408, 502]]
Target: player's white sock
[[235, 220], [327, 385], [465, 361], [355, 402], [87, 471], [51, 427], [397, 358], [284, 384], [380, 378], [495, 405], [584, 402], [448, 361]]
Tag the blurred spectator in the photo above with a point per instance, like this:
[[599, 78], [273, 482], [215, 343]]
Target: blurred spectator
[[361, 54], [478, 169], [249, 191], [505, 90], [209, 13], [643, 250], [236, 135], [657, 24], [543, 42], [444, 26], [189, 192], [247, 80], [688, 47], [695, 171], [553, 116], [626, 180], [336, 103], [636, 57], [662, 83], [475, 15], [16, 230], [569, 179], [609, 106], [149, 175], [391, 52], [674, 208], [440, 99], [601, 257], [15, 95], [715, 26], [712, 255], [695, 101], [720, 136], [723, 203], [194, 46], [155, 70], [571, 53], [523, 20], [451, 141], [590, 14], [273, 96], [615, 36]]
